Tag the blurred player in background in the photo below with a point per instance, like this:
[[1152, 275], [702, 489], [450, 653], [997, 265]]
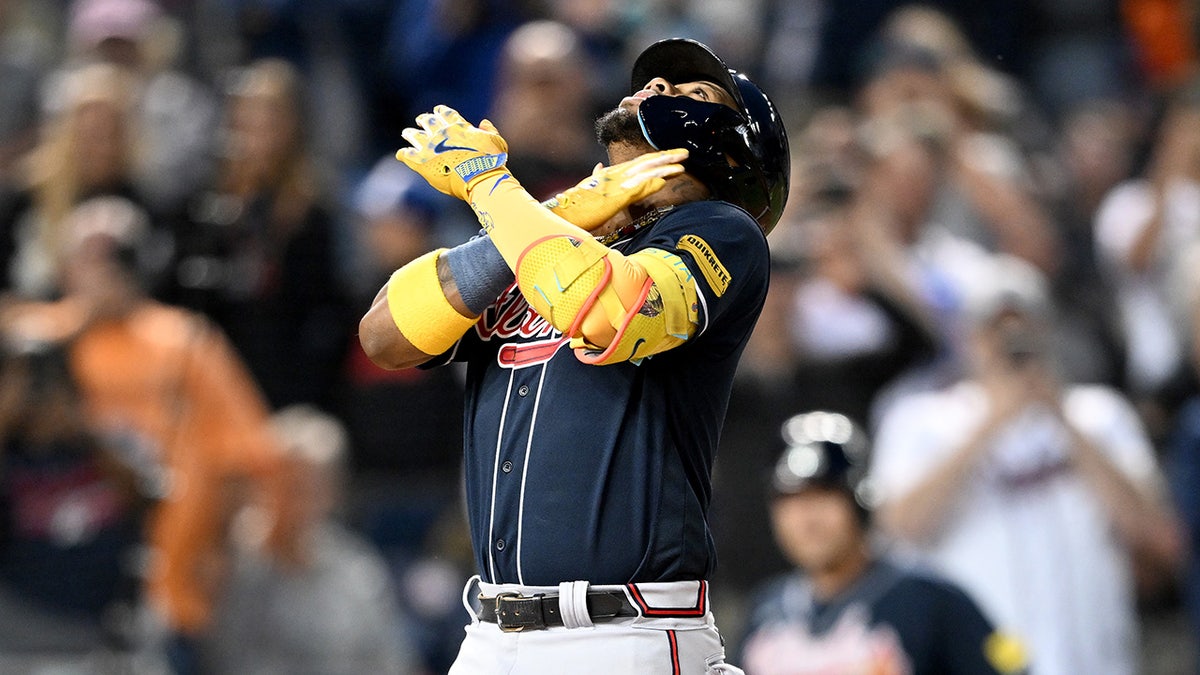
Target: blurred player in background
[[847, 608]]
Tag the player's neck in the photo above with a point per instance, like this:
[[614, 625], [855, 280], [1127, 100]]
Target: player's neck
[[832, 580], [680, 189]]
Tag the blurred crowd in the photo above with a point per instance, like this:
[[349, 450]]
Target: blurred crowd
[[201, 472]]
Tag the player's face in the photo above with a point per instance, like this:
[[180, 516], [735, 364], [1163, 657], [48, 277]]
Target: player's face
[[620, 125], [701, 90], [817, 528]]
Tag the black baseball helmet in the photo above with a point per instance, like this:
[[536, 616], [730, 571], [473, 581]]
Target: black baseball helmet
[[742, 156], [823, 449]]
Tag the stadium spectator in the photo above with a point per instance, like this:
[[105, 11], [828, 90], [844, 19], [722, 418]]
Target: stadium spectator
[[167, 382], [175, 112], [1000, 478], [543, 67], [258, 253], [88, 149], [1141, 229], [72, 505]]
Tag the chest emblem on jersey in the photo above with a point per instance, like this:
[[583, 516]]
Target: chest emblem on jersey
[[511, 318], [714, 272]]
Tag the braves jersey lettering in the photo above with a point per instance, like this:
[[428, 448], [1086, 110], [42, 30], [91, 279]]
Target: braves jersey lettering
[[511, 317], [852, 646], [619, 493]]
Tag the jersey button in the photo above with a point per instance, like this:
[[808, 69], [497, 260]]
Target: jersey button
[[506, 466], [499, 544], [523, 390]]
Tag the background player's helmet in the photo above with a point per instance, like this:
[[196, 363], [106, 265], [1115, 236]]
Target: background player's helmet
[[824, 449], [742, 158]]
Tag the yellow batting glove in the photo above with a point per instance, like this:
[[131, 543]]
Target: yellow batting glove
[[612, 188], [452, 154]]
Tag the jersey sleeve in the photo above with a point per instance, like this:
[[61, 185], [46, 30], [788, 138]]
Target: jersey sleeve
[[971, 643], [726, 253]]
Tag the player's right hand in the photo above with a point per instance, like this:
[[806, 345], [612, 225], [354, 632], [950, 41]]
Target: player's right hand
[[609, 189], [452, 154]]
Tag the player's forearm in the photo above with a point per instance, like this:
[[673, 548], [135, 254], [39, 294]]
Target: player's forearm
[[514, 219], [380, 331], [589, 292], [382, 342]]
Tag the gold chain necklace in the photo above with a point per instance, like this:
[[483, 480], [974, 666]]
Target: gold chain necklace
[[645, 220]]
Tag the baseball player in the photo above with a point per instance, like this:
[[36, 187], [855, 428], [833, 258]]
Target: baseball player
[[601, 331], [847, 608]]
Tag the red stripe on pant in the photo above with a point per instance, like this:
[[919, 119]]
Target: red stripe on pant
[[674, 652]]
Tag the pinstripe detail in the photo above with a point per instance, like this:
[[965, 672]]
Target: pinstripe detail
[[674, 652], [537, 400], [495, 477], [704, 305]]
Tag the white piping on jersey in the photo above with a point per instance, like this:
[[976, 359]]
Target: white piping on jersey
[[495, 478], [537, 400], [703, 303]]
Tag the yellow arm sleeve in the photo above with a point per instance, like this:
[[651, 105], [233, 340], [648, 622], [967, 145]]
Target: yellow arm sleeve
[[420, 309], [614, 307]]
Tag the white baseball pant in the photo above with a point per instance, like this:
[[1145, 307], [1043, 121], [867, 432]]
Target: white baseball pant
[[673, 634]]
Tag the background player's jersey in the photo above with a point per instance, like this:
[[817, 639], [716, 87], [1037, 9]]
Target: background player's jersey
[[889, 622], [602, 473]]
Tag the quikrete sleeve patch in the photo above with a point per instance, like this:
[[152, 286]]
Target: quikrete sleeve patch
[[714, 272]]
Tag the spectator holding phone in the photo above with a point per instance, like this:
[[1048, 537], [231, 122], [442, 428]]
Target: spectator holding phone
[[1037, 496]]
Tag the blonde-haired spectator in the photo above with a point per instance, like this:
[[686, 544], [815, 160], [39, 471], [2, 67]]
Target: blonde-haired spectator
[[259, 250], [87, 149], [175, 111]]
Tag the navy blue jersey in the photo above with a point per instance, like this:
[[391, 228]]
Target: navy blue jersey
[[889, 621], [602, 473]]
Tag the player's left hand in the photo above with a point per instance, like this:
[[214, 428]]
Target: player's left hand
[[452, 154], [602, 195]]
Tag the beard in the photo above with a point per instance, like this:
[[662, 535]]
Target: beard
[[619, 126]]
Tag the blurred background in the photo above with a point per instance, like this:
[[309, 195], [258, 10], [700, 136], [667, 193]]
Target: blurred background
[[235, 159]]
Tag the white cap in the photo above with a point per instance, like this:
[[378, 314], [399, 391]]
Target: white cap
[[1005, 283]]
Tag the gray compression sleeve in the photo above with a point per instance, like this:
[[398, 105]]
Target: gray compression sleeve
[[479, 271]]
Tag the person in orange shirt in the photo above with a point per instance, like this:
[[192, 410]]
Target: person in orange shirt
[[165, 380]]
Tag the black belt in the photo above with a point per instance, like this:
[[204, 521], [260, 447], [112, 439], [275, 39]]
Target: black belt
[[513, 612]]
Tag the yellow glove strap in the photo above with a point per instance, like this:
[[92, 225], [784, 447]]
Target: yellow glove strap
[[420, 309]]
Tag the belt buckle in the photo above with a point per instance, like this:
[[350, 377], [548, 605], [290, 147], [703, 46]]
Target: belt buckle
[[530, 621]]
